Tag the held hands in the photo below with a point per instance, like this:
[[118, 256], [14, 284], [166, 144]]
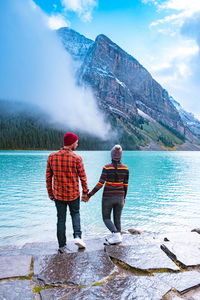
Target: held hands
[[85, 198]]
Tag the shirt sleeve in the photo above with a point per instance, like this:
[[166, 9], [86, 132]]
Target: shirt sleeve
[[126, 178], [49, 176], [100, 184], [82, 175]]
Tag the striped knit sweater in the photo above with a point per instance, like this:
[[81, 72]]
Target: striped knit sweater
[[116, 181]]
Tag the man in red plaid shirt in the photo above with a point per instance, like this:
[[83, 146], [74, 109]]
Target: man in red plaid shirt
[[64, 169]]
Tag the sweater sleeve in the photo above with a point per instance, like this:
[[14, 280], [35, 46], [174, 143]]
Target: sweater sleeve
[[100, 184], [49, 176], [126, 178]]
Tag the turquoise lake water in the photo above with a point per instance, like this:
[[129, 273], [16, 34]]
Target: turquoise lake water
[[163, 195]]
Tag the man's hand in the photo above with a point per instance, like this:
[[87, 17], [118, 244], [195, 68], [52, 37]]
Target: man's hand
[[84, 198], [52, 198]]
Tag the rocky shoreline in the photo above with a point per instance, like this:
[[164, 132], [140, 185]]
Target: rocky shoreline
[[145, 266]]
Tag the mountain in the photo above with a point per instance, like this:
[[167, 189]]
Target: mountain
[[141, 113], [125, 90], [119, 80]]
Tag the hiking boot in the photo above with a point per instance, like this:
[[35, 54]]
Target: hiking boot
[[63, 249], [115, 239], [79, 242]]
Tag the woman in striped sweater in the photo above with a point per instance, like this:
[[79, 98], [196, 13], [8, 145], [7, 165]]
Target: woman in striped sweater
[[115, 177]]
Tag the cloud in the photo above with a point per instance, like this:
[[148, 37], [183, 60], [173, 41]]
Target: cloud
[[57, 21], [177, 59], [191, 28], [83, 8], [181, 10], [36, 69], [175, 64], [190, 7]]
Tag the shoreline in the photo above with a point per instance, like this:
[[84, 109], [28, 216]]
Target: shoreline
[[36, 270]]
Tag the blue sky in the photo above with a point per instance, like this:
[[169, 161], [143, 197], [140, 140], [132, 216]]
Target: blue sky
[[163, 35]]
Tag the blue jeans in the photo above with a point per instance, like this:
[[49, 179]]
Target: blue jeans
[[74, 207]]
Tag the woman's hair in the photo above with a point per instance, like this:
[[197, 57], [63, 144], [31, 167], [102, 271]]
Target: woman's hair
[[116, 154], [115, 163]]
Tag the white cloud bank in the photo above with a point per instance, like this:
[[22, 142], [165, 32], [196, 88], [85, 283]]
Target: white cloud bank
[[36, 69]]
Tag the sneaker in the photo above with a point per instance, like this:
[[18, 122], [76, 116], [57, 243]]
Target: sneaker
[[115, 239], [79, 242], [63, 249]]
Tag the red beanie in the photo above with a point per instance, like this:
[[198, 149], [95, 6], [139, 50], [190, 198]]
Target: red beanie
[[69, 138]]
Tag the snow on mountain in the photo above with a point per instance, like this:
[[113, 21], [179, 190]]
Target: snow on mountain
[[76, 44], [188, 118]]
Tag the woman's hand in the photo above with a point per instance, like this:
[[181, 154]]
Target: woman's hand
[[84, 198]]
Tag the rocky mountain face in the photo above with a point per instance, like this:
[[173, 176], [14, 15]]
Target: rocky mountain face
[[118, 79], [188, 119], [76, 44], [121, 85]]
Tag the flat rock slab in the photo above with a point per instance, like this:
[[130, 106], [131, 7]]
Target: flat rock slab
[[37, 249], [180, 237], [186, 254], [144, 257], [10, 250], [16, 290], [78, 268], [182, 282], [129, 288], [139, 239], [14, 266], [195, 296], [91, 245], [58, 293]]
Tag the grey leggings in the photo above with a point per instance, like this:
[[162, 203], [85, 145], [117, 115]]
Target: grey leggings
[[115, 203]]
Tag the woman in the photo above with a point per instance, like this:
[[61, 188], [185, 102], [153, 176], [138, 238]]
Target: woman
[[115, 176]]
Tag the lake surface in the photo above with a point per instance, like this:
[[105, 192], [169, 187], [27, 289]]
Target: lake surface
[[163, 195]]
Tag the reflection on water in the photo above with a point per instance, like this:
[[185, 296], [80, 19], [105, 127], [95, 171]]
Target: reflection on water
[[163, 194]]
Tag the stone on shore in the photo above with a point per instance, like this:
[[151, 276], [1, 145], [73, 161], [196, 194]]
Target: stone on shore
[[196, 230], [129, 288], [77, 268], [14, 266], [134, 231], [182, 282], [179, 237], [186, 254], [59, 293], [141, 269], [143, 257], [16, 290]]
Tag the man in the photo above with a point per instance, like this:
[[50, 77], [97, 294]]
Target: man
[[65, 168]]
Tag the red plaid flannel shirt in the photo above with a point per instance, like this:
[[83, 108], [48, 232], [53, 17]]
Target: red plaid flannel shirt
[[64, 168]]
